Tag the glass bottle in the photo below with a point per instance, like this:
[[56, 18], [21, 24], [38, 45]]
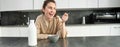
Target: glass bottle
[[32, 36]]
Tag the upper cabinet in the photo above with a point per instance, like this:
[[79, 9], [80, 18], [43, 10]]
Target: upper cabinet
[[12, 5], [77, 3], [0, 5], [92, 3], [62, 4], [83, 3], [69, 4], [109, 3], [38, 4]]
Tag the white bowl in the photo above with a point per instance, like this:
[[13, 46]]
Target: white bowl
[[53, 38]]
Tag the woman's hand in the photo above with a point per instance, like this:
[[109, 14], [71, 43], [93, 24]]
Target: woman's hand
[[65, 17]]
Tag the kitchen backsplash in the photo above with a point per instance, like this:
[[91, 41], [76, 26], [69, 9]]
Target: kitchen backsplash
[[23, 17], [75, 16], [13, 18]]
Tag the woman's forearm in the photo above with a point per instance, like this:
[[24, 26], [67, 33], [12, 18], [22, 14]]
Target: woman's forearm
[[42, 36], [64, 33]]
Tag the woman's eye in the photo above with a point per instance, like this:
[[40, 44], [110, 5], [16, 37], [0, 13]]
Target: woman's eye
[[50, 7]]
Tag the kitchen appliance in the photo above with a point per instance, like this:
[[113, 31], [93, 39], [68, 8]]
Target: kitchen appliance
[[106, 17], [83, 20], [118, 15]]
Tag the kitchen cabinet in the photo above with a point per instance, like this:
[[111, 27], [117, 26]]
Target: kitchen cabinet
[[23, 31], [84, 31], [13, 5], [88, 30], [9, 32], [77, 3], [115, 30], [0, 31], [109, 3], [83, 4], [99, 30], [14, 32], [38, 4], [62, 4], [73, 31], [78, 31], [92, 3], [0, 5]]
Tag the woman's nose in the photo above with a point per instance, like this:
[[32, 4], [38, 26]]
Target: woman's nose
[[52, 10]]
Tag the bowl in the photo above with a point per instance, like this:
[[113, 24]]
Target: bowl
[[53, 38]]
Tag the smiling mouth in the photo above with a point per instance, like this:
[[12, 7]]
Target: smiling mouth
[[51, 14]]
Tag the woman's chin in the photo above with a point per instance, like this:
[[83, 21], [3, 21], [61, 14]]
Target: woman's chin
[[51, 17]]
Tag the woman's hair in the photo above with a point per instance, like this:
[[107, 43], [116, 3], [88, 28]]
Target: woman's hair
[[45, 4]]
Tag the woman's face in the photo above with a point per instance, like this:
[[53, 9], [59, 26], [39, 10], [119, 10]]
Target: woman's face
[[50, 10]]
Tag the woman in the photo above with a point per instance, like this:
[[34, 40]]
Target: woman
[[49, 23]]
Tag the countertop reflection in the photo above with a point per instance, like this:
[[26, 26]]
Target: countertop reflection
[[67, 42], [47, 43], [101, 41], [95, 41]]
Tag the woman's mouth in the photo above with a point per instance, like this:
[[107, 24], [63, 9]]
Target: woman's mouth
[[51, 14]]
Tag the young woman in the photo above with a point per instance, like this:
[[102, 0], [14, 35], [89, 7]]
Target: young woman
[[49, 23]]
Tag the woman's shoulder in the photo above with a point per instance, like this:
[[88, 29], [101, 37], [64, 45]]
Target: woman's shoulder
[[58, 18], [39, 16]]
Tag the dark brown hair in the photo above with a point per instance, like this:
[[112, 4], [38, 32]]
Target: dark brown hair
[[45, 4]]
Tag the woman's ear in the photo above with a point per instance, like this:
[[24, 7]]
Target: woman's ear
[[43, 10]]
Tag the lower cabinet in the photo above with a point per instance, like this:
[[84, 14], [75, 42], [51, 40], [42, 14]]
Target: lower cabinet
[[73, 31], [100, 30], [9, 32], [23, 31], [84, 31], [0, 31], [94, 30], [115, 30], [14, 32], [78, 31]]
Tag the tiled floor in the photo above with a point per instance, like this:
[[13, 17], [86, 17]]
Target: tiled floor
[[113, 41]]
